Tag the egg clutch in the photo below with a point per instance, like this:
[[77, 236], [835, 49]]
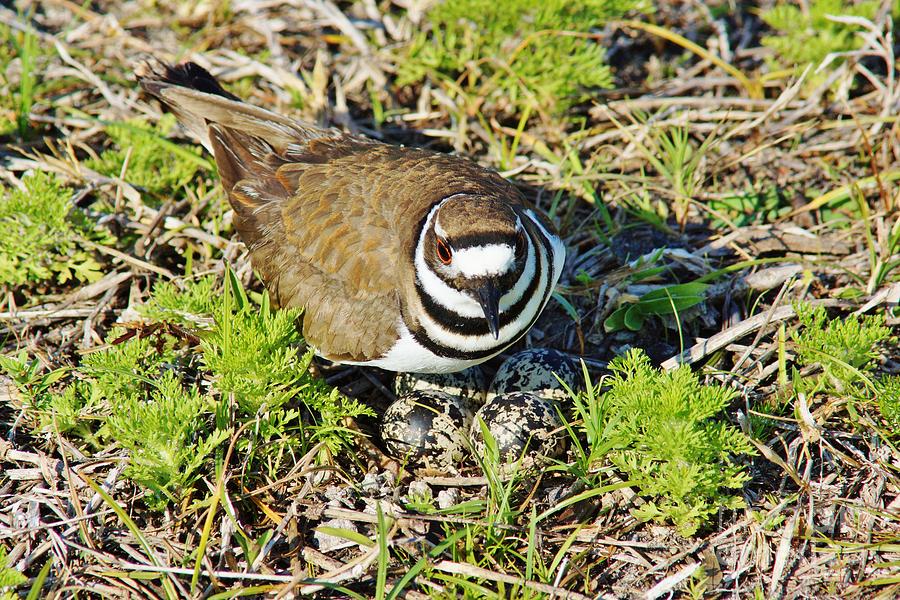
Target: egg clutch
[[437, 420]]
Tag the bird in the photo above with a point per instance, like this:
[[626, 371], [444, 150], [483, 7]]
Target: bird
[[401, 258]]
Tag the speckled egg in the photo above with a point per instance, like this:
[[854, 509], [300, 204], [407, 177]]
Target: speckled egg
[[523, 425], [533, 371], [470, 384], [427, 429]]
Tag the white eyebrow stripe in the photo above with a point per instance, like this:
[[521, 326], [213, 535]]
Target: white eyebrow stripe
[[484, 261]]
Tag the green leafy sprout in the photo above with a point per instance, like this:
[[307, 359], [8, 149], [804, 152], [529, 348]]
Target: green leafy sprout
[[42, 237], [150, 391], [527, 53]]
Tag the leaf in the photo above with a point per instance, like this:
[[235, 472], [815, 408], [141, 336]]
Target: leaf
[[663, 301], [346, 534], [616, 321], [672, 299], [237, 289], [634, 317], [568, 307]]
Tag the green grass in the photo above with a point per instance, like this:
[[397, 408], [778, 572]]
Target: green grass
[[42, 236], [153, 162], [19, 53], [172, 395], [517, 53]]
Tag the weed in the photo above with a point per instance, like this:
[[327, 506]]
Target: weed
[[9, 577], [520, 52], [882, 234], [190, 305], [751, 207], [887, 391], [167, 435], [806, 35], [665, 440], [40, 235], [503, 483], [148, 393], [669, 300], [594, 426], [7, 104], [697, 585], [846, 349]]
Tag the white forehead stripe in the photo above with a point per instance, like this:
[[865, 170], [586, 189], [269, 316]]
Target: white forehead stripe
[[484, 261]]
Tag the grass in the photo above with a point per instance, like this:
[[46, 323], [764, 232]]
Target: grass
[[170, 432], [520, 54], [20, 48], [43, 236], [143, 156]]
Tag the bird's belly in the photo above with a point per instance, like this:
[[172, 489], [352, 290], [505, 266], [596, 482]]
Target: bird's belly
[[409, 356]]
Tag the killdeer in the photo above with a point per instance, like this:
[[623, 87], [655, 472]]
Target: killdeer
[[401, 258]]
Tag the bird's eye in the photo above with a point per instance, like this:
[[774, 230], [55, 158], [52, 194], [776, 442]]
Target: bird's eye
[[443, 251], [520, 245]]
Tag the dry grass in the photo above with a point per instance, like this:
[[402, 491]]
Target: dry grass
[[822, 517]]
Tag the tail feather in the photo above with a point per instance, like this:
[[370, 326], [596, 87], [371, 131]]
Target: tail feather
[[198, 101]]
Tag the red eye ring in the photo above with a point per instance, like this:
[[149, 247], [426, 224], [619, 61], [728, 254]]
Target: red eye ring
[[443, 251]]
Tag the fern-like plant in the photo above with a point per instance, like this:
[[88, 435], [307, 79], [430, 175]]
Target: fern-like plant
[[887, 392], [805, 36], [525, 53], [664, 435], [41, 235], [846, 348], [151, 392]]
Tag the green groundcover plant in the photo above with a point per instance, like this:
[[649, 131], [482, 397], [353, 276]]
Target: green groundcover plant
[[172, 390], [663, 430], [529, 53], [42, 237]]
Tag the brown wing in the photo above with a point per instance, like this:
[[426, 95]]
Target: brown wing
[[317, 237]]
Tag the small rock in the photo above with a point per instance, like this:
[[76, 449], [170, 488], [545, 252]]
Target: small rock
[[419, 490], [448, 498]]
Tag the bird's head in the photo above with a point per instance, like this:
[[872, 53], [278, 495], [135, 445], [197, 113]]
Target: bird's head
[[476, 249]]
